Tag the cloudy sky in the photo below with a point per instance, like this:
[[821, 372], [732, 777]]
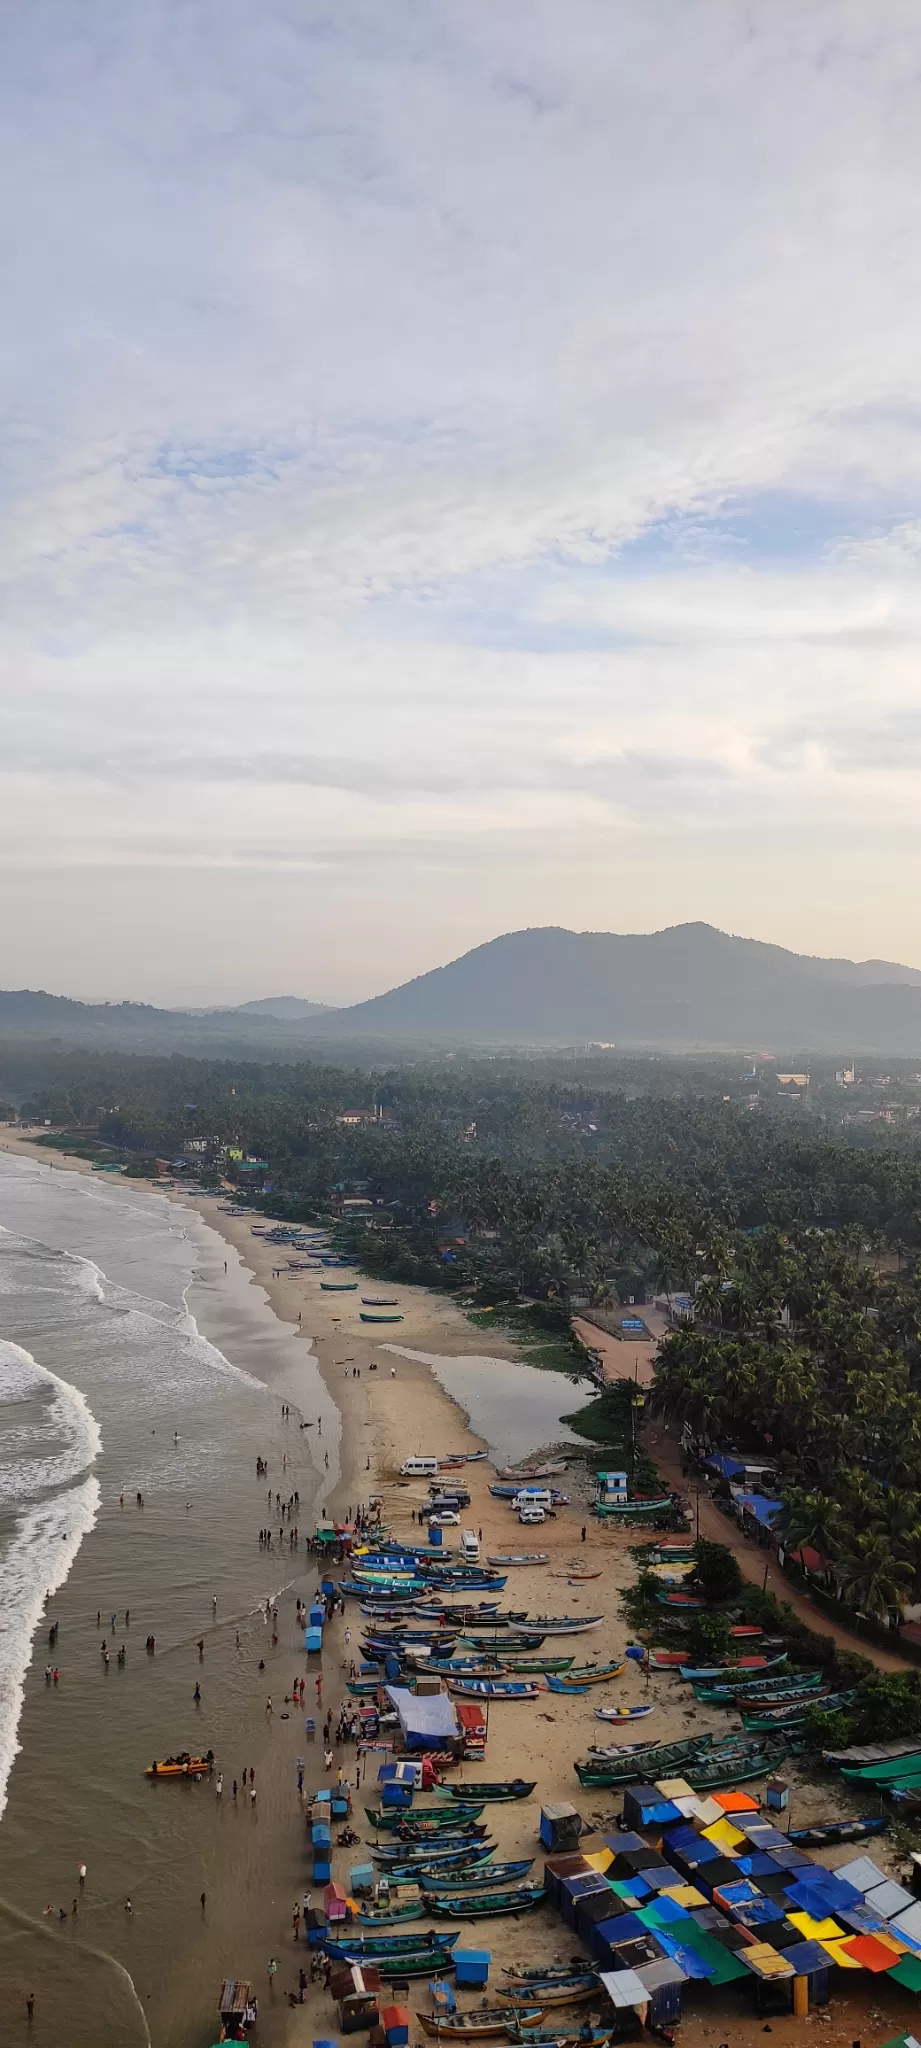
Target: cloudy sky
[[461, 470]]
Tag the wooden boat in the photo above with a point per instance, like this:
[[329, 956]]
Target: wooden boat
[[446, 1819], [495, 1689], [825, 1833], [484, 2024], [715, 1776], [643, 1764], [565, 1624], [787, 1696], [585, 1675], [624, 1713], [368, 1945], [405, 1864], [182, 1766], [364, 1317], [685, 1603], [534, 1557], [498, 1789], [515, 1639], [793, 1716], [390, 1301], [726, 1692], [613, 1510], [723, 1674], [561, 2037], [434, 1962], [338, 1286], [569, 1990], [534, 1667], [888, 1771], [479, 1880], [546, 1973], [490, 1906], [387, 1916]]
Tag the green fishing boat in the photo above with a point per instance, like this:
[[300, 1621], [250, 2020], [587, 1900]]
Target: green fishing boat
[[794, 1716], [338, 1286], [500, 1788], [888, 1770], [397, 1818], [520, 1899], [390, 1916], [364, 1317], [642, 1765]]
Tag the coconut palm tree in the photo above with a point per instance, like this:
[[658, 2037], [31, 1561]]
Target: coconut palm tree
[[873, 1580]]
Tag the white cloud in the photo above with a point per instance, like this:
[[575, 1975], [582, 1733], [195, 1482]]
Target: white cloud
[[350, 347]]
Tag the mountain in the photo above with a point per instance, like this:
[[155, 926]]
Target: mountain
[[687, 985], [288, 1009]]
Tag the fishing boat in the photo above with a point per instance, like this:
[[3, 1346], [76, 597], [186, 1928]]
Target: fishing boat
[[495, 1689], [391, 1916], [569, 1990], [499, 1789], [586, 1674], [611, 1510], [434, 1962], [721, 1674], [405, 1861], [516, 1639], [564, 1624], [534, 1667], [793, 1716], [338, 1286], [390, 1301], [480, 1880], [785, 1696], [561, 2037], [887, 1771], [715, 1777], [484, 2024], [624, 1713], [182, 1766], [364, 1317], [545, 1973], [490, 1906], [451, 1820], [354, 1946], [685, 1603], [825, 1833], [644, 1764], [528, 1557]]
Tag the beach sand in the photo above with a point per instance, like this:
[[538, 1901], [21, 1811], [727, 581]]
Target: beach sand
[[388, 1414]]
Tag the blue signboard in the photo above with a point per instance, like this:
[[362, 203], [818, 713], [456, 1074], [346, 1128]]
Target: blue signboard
[[632, 1323]]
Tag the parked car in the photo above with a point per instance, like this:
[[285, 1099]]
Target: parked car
[[446, 1520]]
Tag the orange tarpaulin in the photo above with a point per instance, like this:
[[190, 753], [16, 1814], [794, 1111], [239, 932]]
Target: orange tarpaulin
[[870, 1953]]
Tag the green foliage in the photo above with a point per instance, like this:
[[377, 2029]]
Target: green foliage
[[709, 1638], [716, 1572]]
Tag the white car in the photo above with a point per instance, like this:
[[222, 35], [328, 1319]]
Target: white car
[[530, 1515], [446, 1520]]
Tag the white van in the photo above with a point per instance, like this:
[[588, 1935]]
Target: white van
[[528, 1514], [532, 1497], [470, 1546], [418, 1468]]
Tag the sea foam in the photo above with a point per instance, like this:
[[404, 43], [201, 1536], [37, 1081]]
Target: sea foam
[[48, 1489]]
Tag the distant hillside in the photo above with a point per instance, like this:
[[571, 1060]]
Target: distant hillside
[[288, 1009], [688, 985]]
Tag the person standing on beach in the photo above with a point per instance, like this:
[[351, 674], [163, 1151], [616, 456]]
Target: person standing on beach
[[219, 1787], [235, 1789], [30, 2006], [252, 1798]]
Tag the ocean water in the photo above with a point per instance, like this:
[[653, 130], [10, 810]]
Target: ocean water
[[514, 1408], [109, 1389]]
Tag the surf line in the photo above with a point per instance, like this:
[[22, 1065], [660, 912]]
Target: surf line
[[46, 1932]]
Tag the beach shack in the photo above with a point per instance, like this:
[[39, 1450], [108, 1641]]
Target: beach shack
[[426, 1721], [237, 2007]]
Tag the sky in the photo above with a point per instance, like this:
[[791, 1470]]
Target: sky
[[461, 470]]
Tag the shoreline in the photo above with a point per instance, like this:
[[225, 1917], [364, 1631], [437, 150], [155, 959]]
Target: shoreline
[[383, 1418]]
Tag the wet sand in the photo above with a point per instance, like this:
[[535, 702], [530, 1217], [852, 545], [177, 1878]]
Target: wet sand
[[255, 1870]]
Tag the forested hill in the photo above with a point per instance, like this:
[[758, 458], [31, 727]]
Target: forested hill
[[688, 985]]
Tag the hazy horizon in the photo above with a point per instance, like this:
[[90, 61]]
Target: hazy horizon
[[460, 474]]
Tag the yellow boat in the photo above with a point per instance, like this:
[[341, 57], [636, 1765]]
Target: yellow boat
[[182, 1766]]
